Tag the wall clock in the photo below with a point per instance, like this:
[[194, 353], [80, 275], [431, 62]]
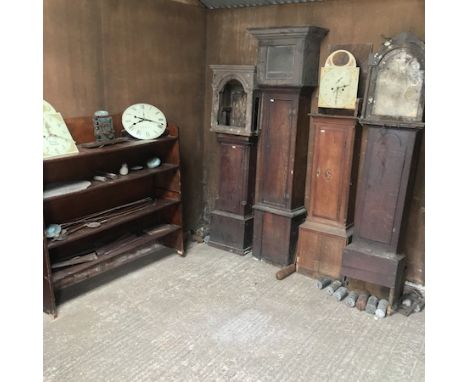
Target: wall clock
[[57, 140], [339, 81], [144, 121]]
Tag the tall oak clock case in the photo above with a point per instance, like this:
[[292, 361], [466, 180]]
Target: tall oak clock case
[[330, 193], [287, 71], [234, 115], [331, 171], [393, 116]]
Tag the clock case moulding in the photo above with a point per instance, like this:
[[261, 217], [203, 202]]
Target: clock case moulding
[[287, 71], [385, 183], [234, 115]]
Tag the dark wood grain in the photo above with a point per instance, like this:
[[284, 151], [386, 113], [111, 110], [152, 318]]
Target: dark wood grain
[[281, 171], [232, 220], [384, 190], [48, 297]]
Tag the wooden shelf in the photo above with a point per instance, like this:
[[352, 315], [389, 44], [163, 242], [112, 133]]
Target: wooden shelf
[[79, 235], [119, 147], [124, 253], [96, 185], [157, 192]]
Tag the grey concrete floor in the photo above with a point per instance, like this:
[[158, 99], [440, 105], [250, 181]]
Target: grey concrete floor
[[216, 316]]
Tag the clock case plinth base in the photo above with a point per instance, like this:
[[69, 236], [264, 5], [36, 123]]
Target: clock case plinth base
[[372, 263], [320, 249], [275, 233], [231, 232], [231, 226]]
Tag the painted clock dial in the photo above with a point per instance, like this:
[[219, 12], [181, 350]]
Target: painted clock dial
[[144, 121], [56, 137], [339, 81], [399, 85]]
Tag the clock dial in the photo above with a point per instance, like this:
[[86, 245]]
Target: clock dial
[[144, 121], [398, 85], [56, 137], [47, 107], [338, 87]]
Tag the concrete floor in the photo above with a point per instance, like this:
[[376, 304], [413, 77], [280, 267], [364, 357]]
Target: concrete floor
[[216, 316]]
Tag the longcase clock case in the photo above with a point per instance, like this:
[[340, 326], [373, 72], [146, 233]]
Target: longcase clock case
[[281, 168], [288, 59], [330, 193], [393, 116], [234, 116]]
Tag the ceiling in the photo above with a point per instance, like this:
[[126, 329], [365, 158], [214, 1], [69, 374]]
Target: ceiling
[[218, 4]]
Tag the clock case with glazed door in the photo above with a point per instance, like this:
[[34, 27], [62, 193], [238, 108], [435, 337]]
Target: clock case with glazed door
[[288, 61], [235, 108], [387, 176]]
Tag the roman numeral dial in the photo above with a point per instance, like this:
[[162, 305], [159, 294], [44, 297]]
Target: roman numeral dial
[[144, 121]]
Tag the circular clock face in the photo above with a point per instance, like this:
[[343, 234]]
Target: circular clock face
[[144, 121], [338, 87]]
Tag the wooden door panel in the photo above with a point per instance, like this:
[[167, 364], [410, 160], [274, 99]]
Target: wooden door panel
[[328, 172], [275, 238], [276, 151], [231, 177], [382, 186]]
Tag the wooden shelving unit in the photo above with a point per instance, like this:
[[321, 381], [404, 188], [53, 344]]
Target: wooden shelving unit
[[121, 238]]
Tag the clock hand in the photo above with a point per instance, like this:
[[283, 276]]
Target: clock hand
[[342, 86], [144, 119]]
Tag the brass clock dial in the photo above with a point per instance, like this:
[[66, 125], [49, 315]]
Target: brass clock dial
[[339, 83], [144, 121]]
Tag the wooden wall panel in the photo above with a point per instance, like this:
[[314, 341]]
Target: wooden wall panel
[[349, 22], [73, 78]]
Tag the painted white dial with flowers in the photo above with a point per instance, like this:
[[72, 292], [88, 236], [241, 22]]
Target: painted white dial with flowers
[[144, 121]]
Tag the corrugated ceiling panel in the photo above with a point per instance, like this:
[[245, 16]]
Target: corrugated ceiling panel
[[215, 4]]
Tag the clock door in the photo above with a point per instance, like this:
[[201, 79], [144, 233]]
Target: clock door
[[383, 190], [277, 140], [330, 171]]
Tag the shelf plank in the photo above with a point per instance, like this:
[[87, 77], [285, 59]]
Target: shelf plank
[[110, 259], [157, 205], [96, 185], [119, 147]]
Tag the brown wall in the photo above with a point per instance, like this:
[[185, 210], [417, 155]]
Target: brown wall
[[109, 54], [348, 21]]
